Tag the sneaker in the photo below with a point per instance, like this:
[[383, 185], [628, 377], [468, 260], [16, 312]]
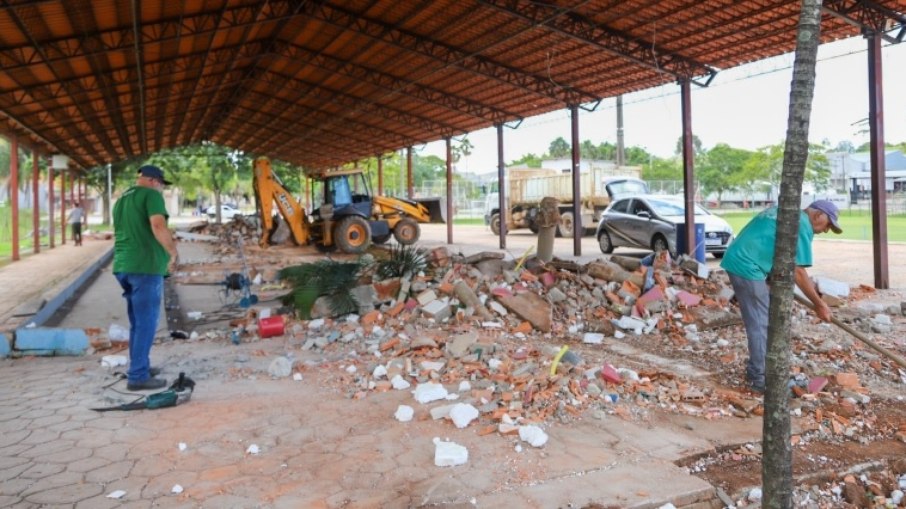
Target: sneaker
[[154, 372], [757, 388], [147, 385]]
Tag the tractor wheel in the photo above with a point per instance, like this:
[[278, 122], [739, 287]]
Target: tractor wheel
[[352, 235], [567, 225], [495, 224], [381, 239], [407, 231]]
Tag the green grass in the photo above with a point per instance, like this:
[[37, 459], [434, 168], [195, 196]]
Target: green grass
[[26, 239], [856, 224]]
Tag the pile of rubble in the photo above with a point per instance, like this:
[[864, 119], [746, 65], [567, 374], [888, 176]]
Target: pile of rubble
[[520, 341]]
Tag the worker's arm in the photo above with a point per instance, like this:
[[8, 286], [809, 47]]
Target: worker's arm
[[162, 234], [808, 288]]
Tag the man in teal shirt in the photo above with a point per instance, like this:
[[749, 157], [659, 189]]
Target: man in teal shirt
[[143, 253], [749, 261]]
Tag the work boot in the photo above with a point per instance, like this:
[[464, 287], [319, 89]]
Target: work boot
[[154, 371], [147, 385]]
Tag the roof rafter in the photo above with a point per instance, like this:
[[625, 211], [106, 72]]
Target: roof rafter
[[866, 14], [585, 30], [393, 84], [447, 55]]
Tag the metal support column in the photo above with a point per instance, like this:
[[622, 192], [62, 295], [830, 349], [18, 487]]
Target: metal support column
[[578, 228], [51, 223], [501, 187], [621, 148], [449, 191], [14, 193], [410, 183], [688, 165], [380, 175], [878, 180], [62, 207], [36, 208]]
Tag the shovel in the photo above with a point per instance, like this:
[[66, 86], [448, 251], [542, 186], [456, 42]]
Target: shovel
[[858, 335]]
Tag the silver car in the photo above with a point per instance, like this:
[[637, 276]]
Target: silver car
[[650, 222]]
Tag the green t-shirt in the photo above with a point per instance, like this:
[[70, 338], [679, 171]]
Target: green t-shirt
[[136, 250], [751, 255]]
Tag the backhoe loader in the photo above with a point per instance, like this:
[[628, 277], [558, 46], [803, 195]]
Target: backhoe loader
[[349, 218]]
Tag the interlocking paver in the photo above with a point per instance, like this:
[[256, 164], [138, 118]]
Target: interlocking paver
[[110, 472], [53, 482], [42, 470], [66, 494], [87, 464]]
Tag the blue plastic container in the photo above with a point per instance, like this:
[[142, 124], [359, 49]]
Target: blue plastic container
[[699, 241]]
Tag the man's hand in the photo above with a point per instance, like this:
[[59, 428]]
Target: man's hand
[[173, 263], [823, 311]]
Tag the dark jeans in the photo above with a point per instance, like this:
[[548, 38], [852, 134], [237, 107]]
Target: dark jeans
[[77, 233], [143, 293]]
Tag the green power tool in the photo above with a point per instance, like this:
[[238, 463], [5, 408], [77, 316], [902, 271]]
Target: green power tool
[[178, 393]]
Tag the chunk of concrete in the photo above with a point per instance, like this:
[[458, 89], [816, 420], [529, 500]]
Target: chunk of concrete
[[461, 343], [51, 341], [425, 297], [439, 310], [530, 307], [832, 287], [449, 454], [462, 414]]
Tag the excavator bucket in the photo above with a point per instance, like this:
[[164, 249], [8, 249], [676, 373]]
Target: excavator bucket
[[437, 209]]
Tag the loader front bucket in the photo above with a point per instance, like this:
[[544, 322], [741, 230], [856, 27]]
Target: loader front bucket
[[437, 209]]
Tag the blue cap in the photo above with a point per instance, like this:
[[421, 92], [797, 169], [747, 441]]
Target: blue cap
[[153, 172], [830, 210]]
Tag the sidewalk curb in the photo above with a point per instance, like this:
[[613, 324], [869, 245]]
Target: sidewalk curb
[[57, 302], [51, 336]]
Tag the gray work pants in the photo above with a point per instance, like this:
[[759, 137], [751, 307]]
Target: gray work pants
[[754, 300]]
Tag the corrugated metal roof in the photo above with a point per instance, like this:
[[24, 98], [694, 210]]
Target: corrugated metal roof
[[321, 83]]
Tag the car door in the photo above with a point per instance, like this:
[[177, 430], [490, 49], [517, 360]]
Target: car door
[[641, 223], [617, 222]]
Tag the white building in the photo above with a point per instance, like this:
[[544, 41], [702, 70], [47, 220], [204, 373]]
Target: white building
[[853, 171]]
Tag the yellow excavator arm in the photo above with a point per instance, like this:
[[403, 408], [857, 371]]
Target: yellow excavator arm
[[269, 190]]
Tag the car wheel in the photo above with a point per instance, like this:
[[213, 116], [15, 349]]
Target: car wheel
[[604, 243], [659, 243]]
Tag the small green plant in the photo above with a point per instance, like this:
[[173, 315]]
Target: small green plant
[[404, 261], [323, 278]]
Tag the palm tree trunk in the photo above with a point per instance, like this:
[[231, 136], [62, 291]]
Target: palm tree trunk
[[777, 472]]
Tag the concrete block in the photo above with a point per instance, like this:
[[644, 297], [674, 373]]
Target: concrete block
[[41, 340], [4, 346], [832, 287], [438, 310], [425, 297]]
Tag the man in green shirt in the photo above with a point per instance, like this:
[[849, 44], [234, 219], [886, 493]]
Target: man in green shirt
[[143, 253], [749, 261]]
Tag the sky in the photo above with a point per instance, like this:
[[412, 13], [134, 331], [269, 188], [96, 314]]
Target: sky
[[744, 107]]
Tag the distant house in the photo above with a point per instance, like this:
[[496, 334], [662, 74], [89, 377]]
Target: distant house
[[853, 171]]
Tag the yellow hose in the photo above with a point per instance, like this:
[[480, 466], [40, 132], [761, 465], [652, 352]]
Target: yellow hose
[[557, 358]]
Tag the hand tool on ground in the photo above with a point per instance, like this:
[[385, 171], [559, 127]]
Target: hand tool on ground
[[178, 393], [858, 335]]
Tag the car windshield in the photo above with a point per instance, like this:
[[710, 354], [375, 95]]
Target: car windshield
[[667, 208]]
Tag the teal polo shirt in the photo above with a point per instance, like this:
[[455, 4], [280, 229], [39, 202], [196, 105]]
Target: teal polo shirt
[[751, 255]]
